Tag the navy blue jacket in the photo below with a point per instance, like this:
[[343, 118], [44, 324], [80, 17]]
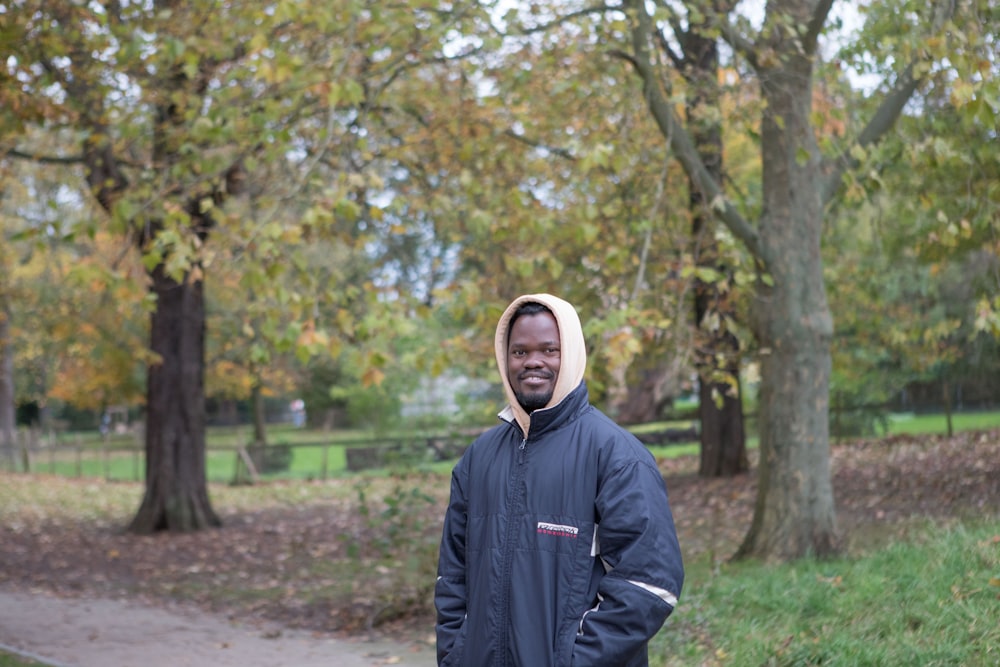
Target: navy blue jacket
[[559, 549]]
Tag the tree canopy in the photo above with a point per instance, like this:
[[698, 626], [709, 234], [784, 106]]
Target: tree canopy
[[363, 187]]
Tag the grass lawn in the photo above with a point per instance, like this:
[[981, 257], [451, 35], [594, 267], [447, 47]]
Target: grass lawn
[[932, 600]]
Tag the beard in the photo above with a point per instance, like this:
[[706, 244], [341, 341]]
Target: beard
[[532, 402]]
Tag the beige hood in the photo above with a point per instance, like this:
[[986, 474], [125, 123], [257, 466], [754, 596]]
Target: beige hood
[[573, 352]]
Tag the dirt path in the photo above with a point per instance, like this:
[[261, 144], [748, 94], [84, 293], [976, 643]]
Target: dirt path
[[71, 632]]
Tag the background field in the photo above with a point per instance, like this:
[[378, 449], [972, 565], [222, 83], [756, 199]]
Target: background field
[[317, 454]]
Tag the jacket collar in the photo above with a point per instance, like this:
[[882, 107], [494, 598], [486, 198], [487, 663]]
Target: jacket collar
[[553, 417]]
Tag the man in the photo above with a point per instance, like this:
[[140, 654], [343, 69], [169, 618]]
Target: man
[[559, 546]]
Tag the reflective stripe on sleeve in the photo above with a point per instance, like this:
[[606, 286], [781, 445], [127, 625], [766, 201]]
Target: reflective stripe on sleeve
[[661, 593]]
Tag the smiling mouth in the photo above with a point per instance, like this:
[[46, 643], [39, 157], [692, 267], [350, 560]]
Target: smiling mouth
[[536, 383], [535, 378]]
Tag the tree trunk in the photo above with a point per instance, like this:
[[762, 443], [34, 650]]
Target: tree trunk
[[723, 441], [646, 400], [720, 407], [257, 408], [946, 400], [794, 514], [176, 497], [8, 418]]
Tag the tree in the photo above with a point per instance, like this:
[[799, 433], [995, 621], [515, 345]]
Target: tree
[[720, 407], [580, 174], [567, 197], [916, 235], [15, 114], [53, 340], [174, 106], [7, 396], [143, 113], [7, 415], [794, 514]]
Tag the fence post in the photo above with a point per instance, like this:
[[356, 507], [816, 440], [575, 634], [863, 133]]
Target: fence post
[[244, 456], [25, 453], [323, 459], [139, 443], [79, 456], [107, 461], [8, 448]]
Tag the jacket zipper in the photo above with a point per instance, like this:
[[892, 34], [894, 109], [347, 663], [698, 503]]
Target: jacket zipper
[[508, 552]]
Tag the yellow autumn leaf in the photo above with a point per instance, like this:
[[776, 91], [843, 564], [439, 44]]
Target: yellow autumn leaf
[[372, 377]]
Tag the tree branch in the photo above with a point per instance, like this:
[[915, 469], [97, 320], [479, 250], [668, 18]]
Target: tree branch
[[737, 41], [816, 22], [560, 152], [678, 59], [681, 142], [675, 58], [566, 18], [880, 123], [44, 159], [627, 57], [885, 116]]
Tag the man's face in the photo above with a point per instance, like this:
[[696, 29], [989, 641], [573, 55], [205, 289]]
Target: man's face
[[533, 358]]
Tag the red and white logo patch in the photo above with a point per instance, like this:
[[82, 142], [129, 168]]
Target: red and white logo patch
[[557, 529]]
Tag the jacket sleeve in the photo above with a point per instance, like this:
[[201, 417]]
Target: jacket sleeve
[[449, 591], [638, 545]]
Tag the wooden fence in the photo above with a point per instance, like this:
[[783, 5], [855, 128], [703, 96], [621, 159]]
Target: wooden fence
[[49, 453], [121, 457], [36, 451]]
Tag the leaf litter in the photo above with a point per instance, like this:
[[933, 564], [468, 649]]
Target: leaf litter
[[354, 558]]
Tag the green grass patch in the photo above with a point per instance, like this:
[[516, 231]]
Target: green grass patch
[[322, 454], [653, 427], [929, 601], [675, 451], [309, 462], [12, 660], [909, 423]]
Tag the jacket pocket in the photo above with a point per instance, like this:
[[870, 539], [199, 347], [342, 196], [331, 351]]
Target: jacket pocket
[[454, 657]]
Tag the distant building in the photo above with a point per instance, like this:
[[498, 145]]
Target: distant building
[[446, 395]]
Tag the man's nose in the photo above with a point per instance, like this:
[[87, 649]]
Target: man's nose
[[534, 360]]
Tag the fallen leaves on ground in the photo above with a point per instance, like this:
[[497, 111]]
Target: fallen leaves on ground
[[334, 557]]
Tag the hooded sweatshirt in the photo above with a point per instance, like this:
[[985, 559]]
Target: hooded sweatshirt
[[558, 546], [573, 353]]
